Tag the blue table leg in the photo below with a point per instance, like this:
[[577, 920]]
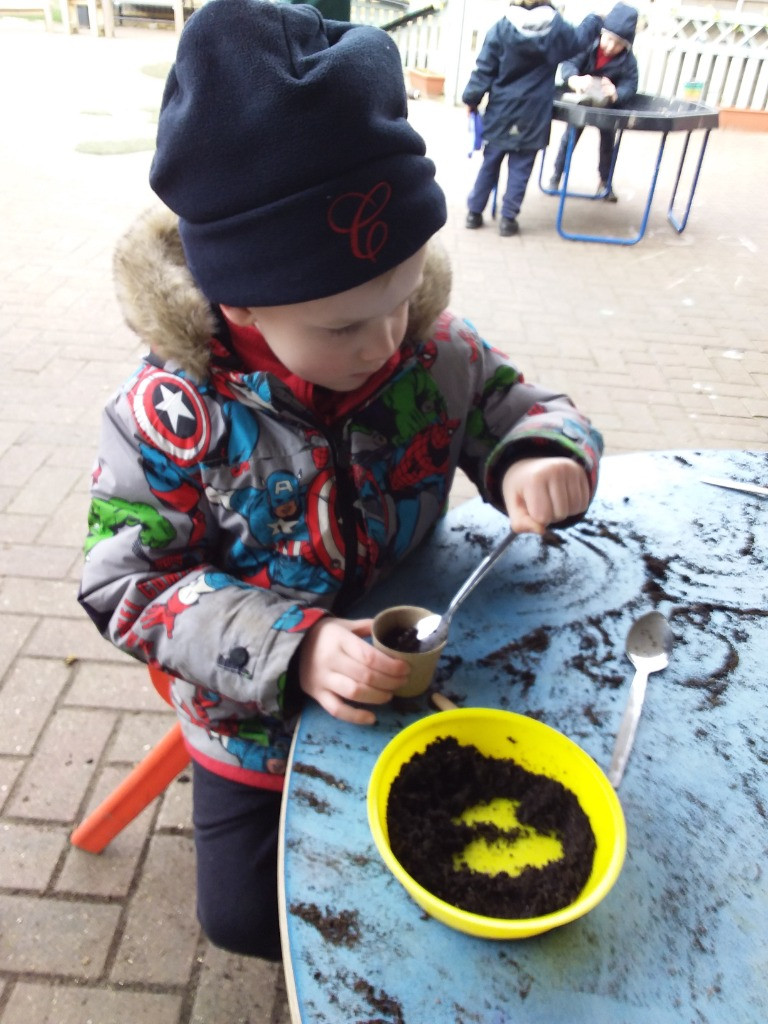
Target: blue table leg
[[610, 239], [679, 226], [567, 166], [545, 188], [563, 190]]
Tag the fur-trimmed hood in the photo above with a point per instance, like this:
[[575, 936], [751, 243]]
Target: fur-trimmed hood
[[161, 302]]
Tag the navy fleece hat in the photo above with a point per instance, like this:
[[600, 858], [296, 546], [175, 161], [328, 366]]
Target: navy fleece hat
[[621, 21], [284, 148]]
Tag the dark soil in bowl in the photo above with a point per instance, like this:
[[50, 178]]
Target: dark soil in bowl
[[435, 787]]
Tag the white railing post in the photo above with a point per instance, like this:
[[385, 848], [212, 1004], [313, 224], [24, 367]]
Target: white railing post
[[726, 51]]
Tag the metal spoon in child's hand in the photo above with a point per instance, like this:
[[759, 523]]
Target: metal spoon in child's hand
[[432, 630], [649, 642]]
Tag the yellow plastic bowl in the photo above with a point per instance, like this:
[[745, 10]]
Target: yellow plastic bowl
[[535, 747]]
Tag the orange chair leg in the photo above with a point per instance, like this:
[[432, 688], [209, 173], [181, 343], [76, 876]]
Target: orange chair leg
[[161, 681], [147, 781]]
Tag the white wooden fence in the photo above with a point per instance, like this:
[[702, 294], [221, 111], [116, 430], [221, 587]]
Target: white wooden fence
[[725, 51]]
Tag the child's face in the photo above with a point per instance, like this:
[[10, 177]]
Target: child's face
[[610, 44], [341, 341]]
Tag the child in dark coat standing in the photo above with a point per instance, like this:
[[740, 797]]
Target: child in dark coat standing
[[516, 69], [609, 66]]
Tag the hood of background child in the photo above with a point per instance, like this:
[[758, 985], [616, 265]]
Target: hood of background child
[[284, 147], [531, 17], [621, 21]]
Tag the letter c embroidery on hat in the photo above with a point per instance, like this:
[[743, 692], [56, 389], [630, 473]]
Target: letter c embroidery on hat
[[356, 215]]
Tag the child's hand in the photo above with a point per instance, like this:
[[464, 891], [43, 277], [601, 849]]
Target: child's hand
[[336, 665], [579, 83], [538, 492], [609, 89]]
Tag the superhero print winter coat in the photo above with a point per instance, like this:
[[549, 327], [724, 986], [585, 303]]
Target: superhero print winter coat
[[227, 516]]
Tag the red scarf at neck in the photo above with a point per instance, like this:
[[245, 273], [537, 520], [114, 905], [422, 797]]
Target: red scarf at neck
[[255, 355], [601, 58]]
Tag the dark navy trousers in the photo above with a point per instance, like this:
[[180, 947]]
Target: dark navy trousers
[[607, 140], [236, 830], [519, 167]]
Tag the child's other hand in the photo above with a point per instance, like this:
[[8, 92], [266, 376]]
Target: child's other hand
[[579, 83], [538, 492], [609, 89], [336, 665]]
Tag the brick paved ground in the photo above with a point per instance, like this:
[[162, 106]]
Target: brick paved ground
[[663, 342]]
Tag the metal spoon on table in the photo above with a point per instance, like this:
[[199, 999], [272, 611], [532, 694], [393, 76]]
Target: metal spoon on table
[[432, 630], [649, 643]]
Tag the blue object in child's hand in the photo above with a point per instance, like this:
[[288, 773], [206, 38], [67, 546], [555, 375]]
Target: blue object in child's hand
[[475, 131]]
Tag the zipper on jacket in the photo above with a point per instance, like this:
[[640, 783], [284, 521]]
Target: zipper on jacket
[[346, 497]]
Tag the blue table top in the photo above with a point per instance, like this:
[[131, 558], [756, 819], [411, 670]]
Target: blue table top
[[682, 937]]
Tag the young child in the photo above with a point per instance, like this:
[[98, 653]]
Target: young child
[[295, 428], [516, 68], [609, 66]]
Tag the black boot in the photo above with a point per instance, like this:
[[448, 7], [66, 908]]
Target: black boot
[[508, 226]]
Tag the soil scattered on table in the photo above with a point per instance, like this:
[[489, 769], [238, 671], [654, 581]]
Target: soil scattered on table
[[446, 667], [658, 571], [430, 794], [535, 642], [315, 773], [481, 540], [341, 929], [748, 547], [380, 1002], [591, 715], [552, 540], [303, 796]]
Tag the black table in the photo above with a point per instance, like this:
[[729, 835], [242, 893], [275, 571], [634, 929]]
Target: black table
[[647, 114]]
